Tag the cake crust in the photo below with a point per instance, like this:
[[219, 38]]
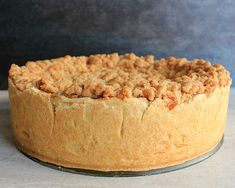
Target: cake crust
[[115, 134]]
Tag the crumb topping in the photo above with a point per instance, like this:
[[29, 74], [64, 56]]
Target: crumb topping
[[174, 80]]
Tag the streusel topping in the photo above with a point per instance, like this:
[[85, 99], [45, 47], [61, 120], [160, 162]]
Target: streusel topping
[[174, 80]]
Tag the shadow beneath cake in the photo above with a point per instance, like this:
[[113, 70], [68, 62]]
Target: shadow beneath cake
[[6, 137]]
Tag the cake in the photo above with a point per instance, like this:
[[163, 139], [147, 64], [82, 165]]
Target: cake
[[110, 112]]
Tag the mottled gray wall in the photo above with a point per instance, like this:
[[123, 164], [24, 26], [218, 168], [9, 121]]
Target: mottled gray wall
[[33, 29]]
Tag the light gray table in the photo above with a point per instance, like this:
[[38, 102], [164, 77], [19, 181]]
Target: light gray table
[[16, 170]]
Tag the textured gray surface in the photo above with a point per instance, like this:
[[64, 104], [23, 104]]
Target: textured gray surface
[[33, 29], [16, 170]]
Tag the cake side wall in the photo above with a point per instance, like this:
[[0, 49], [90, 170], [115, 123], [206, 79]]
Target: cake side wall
[[32, 120], [131, 134], [112, 134]]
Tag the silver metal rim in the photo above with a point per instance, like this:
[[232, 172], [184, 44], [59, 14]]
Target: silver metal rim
[[130, 173]]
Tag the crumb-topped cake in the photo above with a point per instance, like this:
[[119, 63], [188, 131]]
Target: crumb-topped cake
[[118, 112]]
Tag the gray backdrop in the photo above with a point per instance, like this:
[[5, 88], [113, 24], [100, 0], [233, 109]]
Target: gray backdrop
[[38, 29]]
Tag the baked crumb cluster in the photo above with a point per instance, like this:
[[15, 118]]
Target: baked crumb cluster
[[174, 80]]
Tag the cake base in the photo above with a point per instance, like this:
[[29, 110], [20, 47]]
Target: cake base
[[128, 173]]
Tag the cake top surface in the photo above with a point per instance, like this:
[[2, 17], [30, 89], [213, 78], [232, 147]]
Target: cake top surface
[[174, 80]]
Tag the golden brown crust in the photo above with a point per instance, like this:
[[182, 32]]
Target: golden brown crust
[[174, 80], [111, 134], [118, 113]]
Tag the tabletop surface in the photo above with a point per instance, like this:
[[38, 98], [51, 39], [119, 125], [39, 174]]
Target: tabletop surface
[[16, 170]]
